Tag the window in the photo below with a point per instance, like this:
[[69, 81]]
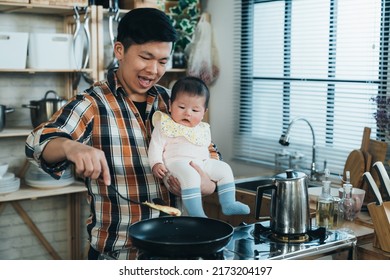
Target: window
[[321, 60]]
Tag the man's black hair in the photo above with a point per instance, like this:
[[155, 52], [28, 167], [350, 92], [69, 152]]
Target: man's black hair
[[144, 25], [191, 85]]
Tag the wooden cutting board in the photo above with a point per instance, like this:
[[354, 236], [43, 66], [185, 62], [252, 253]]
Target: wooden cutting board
[[356, 165], [367, 155]]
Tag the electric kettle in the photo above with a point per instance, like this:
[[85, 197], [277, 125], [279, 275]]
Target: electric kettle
[[290, 214]]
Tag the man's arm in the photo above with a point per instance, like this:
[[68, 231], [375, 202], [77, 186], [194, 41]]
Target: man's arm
[[89, 162]]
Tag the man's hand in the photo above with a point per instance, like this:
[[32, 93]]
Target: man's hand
[[89, 162], [207, 186]]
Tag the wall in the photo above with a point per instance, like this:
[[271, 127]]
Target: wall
[[223, 96]]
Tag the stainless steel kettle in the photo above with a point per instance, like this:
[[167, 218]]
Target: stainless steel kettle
[[290, 214]]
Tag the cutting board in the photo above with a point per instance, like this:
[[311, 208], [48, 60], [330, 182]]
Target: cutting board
[[367, 155], [356, 165]]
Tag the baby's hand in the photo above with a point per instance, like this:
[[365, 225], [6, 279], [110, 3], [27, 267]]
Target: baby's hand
[[159, 170]]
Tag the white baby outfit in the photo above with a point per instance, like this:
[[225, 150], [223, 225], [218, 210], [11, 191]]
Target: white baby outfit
[[176, 146]]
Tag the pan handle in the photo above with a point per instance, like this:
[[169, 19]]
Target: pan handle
[[30, 106]]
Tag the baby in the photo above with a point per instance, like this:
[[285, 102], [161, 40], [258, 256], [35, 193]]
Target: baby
[[182, 137]]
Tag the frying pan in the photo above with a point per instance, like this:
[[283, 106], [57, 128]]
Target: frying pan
[[182, 236]]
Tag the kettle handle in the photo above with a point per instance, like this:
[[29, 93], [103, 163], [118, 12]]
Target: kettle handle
[[259, 197]]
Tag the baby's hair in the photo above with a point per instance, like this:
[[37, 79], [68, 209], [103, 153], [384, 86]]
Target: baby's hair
[[192, 86]]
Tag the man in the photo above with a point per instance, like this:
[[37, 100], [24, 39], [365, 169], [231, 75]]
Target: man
[[105, 132]]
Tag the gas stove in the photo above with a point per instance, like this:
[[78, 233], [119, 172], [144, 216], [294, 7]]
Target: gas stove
[[257, 242]]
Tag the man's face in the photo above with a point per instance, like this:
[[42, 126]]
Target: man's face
[[141, 66]]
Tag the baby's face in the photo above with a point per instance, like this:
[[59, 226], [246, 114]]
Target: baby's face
[[188, 109]]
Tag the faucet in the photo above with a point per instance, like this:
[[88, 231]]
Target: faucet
[[284, 140]]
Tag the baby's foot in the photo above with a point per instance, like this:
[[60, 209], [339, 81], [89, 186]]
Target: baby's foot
[[235, 208]]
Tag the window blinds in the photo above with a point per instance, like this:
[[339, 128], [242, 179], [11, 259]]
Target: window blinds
[[321, 60]]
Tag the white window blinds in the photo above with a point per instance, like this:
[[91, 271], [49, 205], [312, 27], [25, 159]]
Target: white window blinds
[[322, 60]]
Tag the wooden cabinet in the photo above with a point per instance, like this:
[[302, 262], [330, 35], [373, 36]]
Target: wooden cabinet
[[369, 252]]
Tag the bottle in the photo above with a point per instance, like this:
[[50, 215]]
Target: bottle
[[338, 218], [325, 205], [347, 204]]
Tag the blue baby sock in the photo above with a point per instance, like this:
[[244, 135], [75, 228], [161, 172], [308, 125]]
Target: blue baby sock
[[227, 199], [192, 201]]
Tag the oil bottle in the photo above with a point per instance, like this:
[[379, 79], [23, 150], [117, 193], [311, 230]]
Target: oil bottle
[[347, 203], [325, 205]]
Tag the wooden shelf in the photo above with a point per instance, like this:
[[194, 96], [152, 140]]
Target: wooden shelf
[[33, 71], [36, 9], [16, 132], [26, 192]]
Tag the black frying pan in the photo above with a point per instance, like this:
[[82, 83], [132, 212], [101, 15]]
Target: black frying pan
[[181, 236]]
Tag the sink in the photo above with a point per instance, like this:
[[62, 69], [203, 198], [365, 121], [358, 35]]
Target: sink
[[251, 183]]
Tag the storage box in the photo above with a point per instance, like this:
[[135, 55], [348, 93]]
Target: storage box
[[51, 51], [13, 46]]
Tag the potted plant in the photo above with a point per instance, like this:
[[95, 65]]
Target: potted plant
[[382, 115], [185, 15]]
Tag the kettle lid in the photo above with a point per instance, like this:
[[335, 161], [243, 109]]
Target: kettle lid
[[290, 174]]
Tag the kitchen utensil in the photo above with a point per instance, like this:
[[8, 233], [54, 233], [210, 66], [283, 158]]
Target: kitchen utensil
[[42, 110], [383, 176], [181, 236], [86, 48], [157, 204], [378, 150], [113, 17], [3, 111], [356, 164], [370, 181], [289, 202]]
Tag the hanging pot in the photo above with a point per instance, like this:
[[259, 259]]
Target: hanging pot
[[42, 110], [3, 111]]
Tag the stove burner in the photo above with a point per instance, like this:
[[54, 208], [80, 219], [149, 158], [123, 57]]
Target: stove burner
[[289, 238], [311, 235]]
